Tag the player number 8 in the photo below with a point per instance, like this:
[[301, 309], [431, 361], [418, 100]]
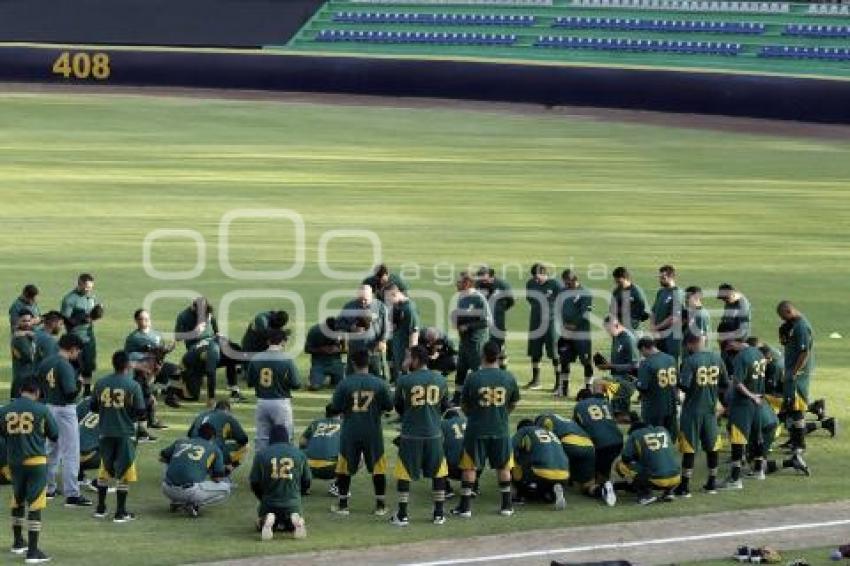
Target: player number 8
[[266, 377]]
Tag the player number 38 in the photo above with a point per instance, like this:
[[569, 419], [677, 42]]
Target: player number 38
[[82, 65]]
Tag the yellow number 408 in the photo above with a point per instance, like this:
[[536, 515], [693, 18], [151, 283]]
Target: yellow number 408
[[82, 65]]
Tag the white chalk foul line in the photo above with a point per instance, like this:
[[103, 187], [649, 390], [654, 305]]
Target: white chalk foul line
[[630, 544]]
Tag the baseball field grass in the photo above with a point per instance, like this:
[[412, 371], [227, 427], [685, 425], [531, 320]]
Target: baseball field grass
[[84, 179]]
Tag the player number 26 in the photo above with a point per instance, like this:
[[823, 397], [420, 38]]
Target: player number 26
[[82, 65], [492, 396], [19, 423]]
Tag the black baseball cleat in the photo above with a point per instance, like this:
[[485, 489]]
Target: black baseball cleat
[[800, 465], [818, 408], [682, 491], [742, 554], [172, 401], [534, 384], [158, 425], [237, 397], [465, 513], [193, 511], [710, 486], [123, 517], [830, 425], [78, 501], [36, 557]]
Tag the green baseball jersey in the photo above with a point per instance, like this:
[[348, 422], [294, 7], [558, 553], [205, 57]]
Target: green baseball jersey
[[536, 447], [23, 355], [654, 452], [320, 440], [143, 342], [318, 337], [118, 399], [392, 279], [567, 431], [498, 293], [774, 372], [254, 339], [656, 382], [453, 431], [362, 398], [227, 427], [76, 307], [58, 380], [273, 374], [89, 426], [405, 322], [595, 416], [46, 345], [701, 375], [473, 312], [624, 351], [541, 299], [800, 339], [629, 305], [191, 460], [575, 306], [26, 424], [488, 396], [278, 474], [695, 322], [420, 398], [186, 323], [668, 302], [376, 311], [748, 370], [18, 308], [736, 318]]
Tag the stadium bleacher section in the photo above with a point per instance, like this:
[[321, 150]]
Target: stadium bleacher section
[[778, 37]]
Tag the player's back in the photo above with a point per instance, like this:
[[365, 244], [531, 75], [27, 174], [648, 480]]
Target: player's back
[[595, 416], [323, 443], [488, 397], [362, 398], [748, 367], [539, 448], [702, 373], [453, 431], [191, 460], [423, 394], [26, 426], [656, 451], [273, 375], [279, 470], [118, 398], [657, 383], [568, 431]]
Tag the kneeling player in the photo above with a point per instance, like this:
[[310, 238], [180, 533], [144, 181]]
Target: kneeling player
[[27, 423], [649, 462], [320, 443], [769, 431], [279, 476], [420, 398], [488, 397], [89, 442], [578, 447], [454, 427], [594, 414], [229, 434], [541, 467]]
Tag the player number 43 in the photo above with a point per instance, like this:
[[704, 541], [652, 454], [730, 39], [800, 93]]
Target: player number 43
[[82, 65]]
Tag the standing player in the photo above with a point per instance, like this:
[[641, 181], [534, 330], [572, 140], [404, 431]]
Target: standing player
[[27, 302], [23, 352], [273, 375], [26, 424], [500, 297], [365, 319], [624, 362], [59, 382], [229, 434], [799, 367], [628, 301], [89, 443], [594, 414], [574, 343], [324, 344], [279, 476], [665, 320], [80, 309], [471, 318], [405, 329], [46, 337], [361, 398], [420, 398], [541, 293], [657, 385], [735, 322], [579, 449], [488, 398], [119, 402], [744, 418], [189, 462], [541, 468], [649, 462], [695, 319], [703, 375], [320, 443]]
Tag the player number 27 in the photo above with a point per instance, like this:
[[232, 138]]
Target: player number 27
[[82, 65], [492, 396]]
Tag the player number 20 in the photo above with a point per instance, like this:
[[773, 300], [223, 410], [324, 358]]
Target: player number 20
[[422, 395], [667, 377], [492, 396], [19, 423], [82, 65], [282, 468]]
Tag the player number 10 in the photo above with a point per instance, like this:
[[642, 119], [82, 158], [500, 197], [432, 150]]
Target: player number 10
[[82, 65]]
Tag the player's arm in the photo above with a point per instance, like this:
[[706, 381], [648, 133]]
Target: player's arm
[[292, 376], [644, 376], [413, 327], [398, 401], [253, 374], [166, 453], [217, 470], [506, 296], [339, 400], [444, 396], [801, 341], [67, 312], [256, 478], [630, 450], [306, 435]]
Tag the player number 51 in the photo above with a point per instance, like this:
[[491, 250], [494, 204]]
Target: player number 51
[[82, 65]]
